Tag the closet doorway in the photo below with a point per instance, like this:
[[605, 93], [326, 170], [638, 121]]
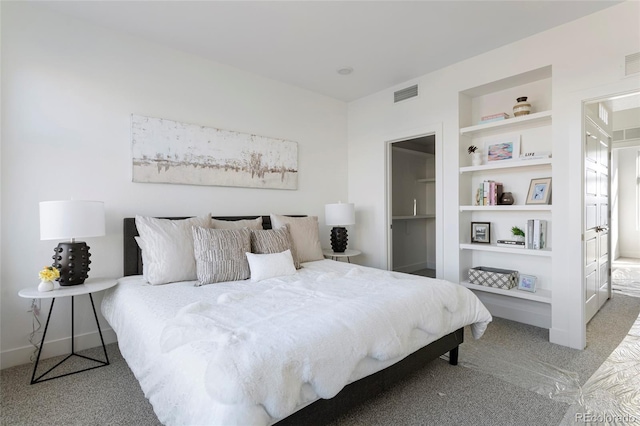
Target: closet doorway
[[412, 199]]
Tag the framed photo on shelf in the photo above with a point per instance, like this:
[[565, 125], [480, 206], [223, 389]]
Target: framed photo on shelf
[[539, 191], [527, 283], [481, 232], [505, 148]]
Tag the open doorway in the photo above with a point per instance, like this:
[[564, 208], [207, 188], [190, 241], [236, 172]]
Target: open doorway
[[412, 198], [625, 191]]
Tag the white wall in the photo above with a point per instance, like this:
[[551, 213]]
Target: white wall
[[629, 235], [625, 232], [68, 90], [587, 59]]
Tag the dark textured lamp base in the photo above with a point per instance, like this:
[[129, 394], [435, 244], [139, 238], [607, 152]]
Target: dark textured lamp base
[[339, 239], [72, 260]]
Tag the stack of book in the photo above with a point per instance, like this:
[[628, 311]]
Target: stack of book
[[488, 193], [494, 117], [535, 155], [511, 243], [536, 234]]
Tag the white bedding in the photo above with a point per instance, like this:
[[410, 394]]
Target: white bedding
[[252, 353]]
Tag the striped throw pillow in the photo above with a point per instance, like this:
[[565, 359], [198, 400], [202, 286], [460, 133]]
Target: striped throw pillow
[[268, 241], [220, 254]]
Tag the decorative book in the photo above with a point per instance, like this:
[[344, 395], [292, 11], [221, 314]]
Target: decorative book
[[535, 155], [510, 243], [494, 117]]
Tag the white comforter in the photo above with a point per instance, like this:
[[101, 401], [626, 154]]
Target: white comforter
[[251, 353]]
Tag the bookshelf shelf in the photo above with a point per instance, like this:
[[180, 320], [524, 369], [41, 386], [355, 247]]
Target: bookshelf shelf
[[509, 208], [419, 216], [508, 123], [500, 249], [507, 164], [541, 295]]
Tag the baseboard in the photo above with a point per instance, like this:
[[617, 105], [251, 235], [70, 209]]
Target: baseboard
[[412, 268], [22, 355], [631, 254]]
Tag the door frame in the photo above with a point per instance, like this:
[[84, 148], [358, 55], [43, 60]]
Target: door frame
[[568, 327], [428, 130]]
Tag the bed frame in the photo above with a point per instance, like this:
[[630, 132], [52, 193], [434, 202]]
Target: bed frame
[[324, 411]]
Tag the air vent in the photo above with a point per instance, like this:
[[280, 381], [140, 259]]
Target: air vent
[[618, 135], [632, 64], [404, 94]]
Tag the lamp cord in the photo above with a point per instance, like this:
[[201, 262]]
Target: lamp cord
[[36, 325]]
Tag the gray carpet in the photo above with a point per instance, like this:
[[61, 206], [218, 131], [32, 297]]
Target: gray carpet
[[475, 392]]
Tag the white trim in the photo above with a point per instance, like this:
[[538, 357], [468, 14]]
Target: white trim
[[436, 130], [568, 307]]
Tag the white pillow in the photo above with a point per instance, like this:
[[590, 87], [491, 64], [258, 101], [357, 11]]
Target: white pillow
[[304, 235], [264, 266], [167, 248], [235, 224]]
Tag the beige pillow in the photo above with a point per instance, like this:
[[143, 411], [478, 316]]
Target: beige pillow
[[304, 235], [167, 248], [269, 241], [220, 254], [235, 224]]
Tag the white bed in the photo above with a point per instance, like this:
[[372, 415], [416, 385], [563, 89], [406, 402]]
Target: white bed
[[252, 353]]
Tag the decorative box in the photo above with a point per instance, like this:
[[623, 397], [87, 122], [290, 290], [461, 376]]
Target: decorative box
[[493, 277]]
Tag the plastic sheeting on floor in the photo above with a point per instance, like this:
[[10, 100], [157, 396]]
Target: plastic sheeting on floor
[[626, 281], [610, 396]]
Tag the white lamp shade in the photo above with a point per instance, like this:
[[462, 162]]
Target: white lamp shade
[[61, 220], [340, 214]]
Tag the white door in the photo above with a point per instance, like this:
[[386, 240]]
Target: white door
[[597, 143]]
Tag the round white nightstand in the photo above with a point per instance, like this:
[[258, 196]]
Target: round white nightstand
[[91, 285], [348, 254]]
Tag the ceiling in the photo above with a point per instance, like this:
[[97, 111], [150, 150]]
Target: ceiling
[[304, 43]]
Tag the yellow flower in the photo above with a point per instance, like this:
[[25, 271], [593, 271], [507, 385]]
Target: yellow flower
[[49, 273]]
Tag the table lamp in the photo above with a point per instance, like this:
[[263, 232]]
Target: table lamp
[[60, 220], [339, 215]]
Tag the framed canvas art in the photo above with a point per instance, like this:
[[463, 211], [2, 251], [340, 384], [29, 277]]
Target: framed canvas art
[[539, 191], [506, 148], [481, 232]]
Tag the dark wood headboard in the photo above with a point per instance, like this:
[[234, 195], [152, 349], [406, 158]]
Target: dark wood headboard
[[133, 255]]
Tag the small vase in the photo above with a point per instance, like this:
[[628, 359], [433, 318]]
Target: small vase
[[522, 107], [45, 286], [519, 238], [506, 199], [476, 158]]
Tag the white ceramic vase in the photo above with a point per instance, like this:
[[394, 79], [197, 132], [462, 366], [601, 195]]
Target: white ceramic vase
[[476, 158], [45, 286]]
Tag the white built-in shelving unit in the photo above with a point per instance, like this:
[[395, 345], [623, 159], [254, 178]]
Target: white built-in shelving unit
[[533, 132]]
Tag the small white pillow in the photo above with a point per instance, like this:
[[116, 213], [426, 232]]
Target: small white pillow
[[264, 266]]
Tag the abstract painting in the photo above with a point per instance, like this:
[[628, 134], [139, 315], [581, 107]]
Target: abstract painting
[[507, 148], [166, 151]]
